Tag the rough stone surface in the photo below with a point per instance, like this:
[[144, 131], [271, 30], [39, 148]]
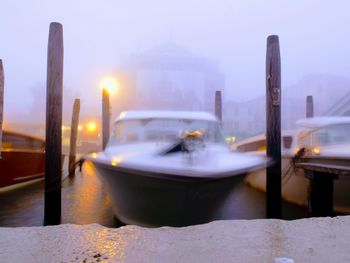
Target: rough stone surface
[[307, 240]]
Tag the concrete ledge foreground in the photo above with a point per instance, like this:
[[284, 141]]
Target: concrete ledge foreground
[[307, 240]]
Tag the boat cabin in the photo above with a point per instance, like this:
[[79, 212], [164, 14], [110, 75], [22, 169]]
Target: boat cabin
[[146, 126], [258, 143], [323, 132], [13, 141]]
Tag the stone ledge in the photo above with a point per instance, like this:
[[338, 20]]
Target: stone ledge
[[306, 240]]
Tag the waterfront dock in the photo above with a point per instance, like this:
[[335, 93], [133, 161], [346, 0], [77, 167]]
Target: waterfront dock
[[266, 240], [164, 162], [85, 201]]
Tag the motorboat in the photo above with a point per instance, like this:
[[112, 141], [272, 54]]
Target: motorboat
[[294, 184], [169, 167], [325, 141], [22, 159]]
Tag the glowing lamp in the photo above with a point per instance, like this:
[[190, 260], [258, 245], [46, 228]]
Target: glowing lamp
[[91, 126], [110, 85], [316, 151]]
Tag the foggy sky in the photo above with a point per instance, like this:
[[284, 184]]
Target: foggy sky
[[314, 37]]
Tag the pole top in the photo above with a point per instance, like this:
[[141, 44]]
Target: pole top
[[55, 24], [272, 39]]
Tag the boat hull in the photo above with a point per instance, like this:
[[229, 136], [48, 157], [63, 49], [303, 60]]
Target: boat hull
[[20, 166], [150, 199], [295, 188]]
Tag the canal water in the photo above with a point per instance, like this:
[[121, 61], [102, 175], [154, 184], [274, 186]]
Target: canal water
[[85, 201]]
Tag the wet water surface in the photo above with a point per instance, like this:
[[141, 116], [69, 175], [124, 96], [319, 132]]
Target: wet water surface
[[85, 201]]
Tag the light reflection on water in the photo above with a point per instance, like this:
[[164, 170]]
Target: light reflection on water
[[84, 201], [84, 196]]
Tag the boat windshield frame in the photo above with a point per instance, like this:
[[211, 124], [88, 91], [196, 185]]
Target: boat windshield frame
[[320, 137], [166, 132]]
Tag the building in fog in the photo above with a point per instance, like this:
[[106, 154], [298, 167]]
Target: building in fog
[[327, 90], [341, 107], [331, 96], [168, 77], [245, 119]]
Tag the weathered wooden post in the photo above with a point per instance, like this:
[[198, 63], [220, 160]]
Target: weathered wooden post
[[53, 157], [309, 107], [105, 117], [218, 105], [73, 136], [273, 128], [320, 199], [2, 83]]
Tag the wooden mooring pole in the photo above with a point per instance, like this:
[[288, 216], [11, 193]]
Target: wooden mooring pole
[[2, 83], [218, 105], [53, 157], [320, 193], [105, 117], [273, 128], [309, 107], [73, 136]]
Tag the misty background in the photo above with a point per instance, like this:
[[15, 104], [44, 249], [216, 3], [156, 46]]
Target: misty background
[[228, 37]]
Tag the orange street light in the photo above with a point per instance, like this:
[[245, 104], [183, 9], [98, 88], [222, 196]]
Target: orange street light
[[91, 126]]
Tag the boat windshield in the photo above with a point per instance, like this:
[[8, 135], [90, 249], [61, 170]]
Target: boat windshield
[[325, 136], [143, 130]]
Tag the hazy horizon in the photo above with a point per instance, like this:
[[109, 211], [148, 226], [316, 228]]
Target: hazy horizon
[[314, 39]]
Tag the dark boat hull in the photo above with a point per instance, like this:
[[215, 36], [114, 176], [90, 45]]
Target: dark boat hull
[[154, 199], [20, 166], [22, 159]]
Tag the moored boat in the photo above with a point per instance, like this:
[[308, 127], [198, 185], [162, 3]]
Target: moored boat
[[169, 168], [22, 159], [326, 141]]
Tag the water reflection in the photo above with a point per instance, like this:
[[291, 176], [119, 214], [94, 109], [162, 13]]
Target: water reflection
[[83, 195], [23, 207], [84, 201]]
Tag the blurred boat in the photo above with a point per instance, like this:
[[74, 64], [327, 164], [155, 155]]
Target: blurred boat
[[22, 159], [325, 140], [169, 168]]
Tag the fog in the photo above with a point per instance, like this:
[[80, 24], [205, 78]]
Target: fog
[[314, 38]]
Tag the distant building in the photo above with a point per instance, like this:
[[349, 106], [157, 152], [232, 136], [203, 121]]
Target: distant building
[[326, 90], [331, 95], [168, 77], [245, 119], [341, 107]]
